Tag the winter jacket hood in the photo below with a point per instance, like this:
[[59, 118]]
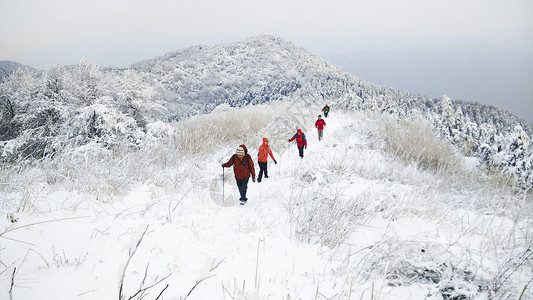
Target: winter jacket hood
[[300, 138]]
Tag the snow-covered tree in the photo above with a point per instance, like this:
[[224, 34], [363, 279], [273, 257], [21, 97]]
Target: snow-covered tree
[[87, 83], [132, 95], [518, 149], [53, 83]]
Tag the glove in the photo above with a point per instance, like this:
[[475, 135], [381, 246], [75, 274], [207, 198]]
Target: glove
[[289, 141], [275, 162], [222, 165], [305, 146], [253, 179]]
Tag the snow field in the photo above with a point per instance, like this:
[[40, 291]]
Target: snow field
[[348, 221]]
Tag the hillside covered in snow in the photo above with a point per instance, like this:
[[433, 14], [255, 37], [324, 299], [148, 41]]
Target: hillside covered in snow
[[379, 209], [111, 185], [48, 111]]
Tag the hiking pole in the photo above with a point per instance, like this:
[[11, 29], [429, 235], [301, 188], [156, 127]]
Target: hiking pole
[[223, 185]]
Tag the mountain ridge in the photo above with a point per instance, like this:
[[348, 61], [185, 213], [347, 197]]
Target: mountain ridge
[[252, 71], [210, 92], [8, 67], [76, 105]]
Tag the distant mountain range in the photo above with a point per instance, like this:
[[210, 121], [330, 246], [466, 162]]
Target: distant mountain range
[[9, 67], [462, 69]]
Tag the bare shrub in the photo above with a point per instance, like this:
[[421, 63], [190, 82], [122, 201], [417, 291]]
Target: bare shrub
[[204, 133], [325, 219], [414, 141]]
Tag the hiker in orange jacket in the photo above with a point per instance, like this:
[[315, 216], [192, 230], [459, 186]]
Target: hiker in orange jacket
[[262, 158], [243, 167]]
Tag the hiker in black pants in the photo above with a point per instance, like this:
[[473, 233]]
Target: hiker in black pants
[[301, 141]]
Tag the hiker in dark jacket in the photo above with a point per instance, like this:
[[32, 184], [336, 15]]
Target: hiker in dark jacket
[[301, 141], [325, 109], [243, 168]]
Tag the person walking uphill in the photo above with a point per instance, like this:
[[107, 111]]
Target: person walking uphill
[[319, 124], [325, 109], [301, 141], [243, 168], [262, 158]]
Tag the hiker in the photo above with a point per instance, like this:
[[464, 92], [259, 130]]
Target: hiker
[[243, 167], [325, 109], [262, 158], [319, 124], [301, 141]]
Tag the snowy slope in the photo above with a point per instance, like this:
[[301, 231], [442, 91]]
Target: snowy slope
[[62, 108], [348, 221]]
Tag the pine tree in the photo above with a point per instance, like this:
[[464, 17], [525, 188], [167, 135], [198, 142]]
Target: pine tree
[[448, 118], [518, 148]]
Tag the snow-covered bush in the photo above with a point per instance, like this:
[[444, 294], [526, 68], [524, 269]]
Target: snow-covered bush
[[430, 264]]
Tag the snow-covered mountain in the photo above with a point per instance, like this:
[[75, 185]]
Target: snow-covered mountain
[[266, 68], [251, 71], [111, 184], [69, 106]]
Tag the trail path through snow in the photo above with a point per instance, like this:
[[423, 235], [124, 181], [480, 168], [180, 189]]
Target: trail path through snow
[[77, 247]]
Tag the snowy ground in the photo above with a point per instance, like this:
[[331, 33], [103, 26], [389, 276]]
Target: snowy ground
[[348, 221]]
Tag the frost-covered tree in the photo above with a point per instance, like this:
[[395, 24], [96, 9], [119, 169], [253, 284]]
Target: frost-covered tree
[[448, 118], [489, 142], [132, 96], [8, 110], [16, 95], [87, 83], [53, 83], [471, 138], [518, 149]]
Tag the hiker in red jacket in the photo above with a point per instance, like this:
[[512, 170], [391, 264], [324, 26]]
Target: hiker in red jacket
[[319, 124], [262, 158], [243, 167], [301, 141]]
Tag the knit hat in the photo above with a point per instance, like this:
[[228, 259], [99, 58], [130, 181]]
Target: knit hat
[[240, 150]]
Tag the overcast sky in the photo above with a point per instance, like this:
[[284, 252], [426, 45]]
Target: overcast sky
[[41, 33]]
